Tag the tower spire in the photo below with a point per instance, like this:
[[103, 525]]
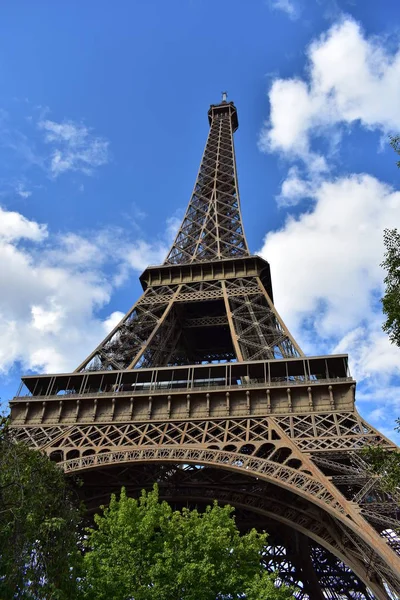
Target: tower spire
[[212, 227]]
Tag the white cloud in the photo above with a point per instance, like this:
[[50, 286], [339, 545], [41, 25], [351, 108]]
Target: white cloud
[[325, 260], [14, 226], [74, 249], [47, 312], [173, 224], [380, 401], [327, 279], [331, 255], [350, 78], [112, 321], [112, 245], [75, 148], [53, 287], [142, 254], [294, 188], [377, 414], [49, 320], [286, 6]]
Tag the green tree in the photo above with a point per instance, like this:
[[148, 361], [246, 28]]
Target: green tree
[[143, 550], [386, 464], [391, 263], [38, 525], [395, 143], [381, 462], [391, 298]]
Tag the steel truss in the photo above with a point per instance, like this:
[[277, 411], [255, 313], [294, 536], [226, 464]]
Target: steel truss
[[234, 318], [212, 227], [202, 388]]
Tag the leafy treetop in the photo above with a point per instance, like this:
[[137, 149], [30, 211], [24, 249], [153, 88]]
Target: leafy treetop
[[143, 550], [39, 522], [391, 298]]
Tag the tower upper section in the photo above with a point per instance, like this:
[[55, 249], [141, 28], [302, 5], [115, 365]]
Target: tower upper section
[[224, 108], [212, 227]]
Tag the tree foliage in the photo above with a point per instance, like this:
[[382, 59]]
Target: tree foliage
[[395, 143], [382, 462], [391, 263], [391, 298], [142, 550], [386, 464], [38, 525], [138, 550]]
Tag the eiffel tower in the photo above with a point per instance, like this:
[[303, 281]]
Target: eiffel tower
[[202, 388]]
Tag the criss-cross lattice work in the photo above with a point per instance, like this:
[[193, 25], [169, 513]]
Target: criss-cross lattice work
[[212, 227], [194, 323], [211, 312], [336, 500], [202, 388]]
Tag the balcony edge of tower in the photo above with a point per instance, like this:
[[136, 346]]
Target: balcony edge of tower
[[224, 107], [223, 268]]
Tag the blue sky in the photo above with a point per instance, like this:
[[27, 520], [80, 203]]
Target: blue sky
[[103, 120]]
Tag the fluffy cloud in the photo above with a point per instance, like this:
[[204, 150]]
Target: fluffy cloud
[[326, 261], [54, 286], [325, 258], [350, 78], [54, 147], [47, 312], [75, 148], [112, 321], [294, 188], [143, 254], [14, 226], [327, 278]]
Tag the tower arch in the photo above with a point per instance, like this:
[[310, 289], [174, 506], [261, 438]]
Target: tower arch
[[259, 503]]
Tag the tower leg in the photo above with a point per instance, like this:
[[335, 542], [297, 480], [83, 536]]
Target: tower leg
[[302, 560]]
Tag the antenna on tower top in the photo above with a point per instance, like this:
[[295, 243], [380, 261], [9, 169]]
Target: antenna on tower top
[[224, 96]]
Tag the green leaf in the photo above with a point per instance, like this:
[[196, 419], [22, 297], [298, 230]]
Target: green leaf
[[39, 525], [142, 549]]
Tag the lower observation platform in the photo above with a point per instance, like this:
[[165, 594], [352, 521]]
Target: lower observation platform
[[294, 385]]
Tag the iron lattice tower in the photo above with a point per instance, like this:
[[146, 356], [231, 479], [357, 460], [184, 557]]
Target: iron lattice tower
[[202, 388]]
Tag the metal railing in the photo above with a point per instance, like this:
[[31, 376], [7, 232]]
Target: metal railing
[[191, 386]]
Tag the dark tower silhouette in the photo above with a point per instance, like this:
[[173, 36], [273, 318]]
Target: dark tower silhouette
[[202, 388]]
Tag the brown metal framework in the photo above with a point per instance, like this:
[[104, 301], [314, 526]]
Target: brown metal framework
[[212, 227], [202, 388]]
